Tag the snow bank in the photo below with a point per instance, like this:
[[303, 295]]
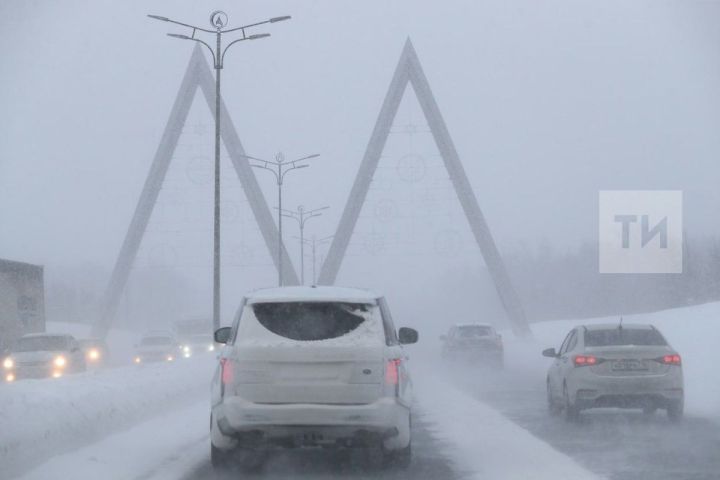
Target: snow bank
[[482, 441], [179, 442], [40, 418]]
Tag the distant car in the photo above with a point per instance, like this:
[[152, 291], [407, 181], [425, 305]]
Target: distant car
[[96, 351], [42, 355], [473, 341], [196, 344], [623, 366], [311, 367], [157, 347]]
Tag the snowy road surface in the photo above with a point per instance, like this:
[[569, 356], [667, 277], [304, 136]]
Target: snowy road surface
[[469, 423]]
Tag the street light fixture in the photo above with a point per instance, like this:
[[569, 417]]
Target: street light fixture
[[280, 167], [218, 20], [302, 216]]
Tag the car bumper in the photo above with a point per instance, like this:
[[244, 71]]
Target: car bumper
[[294, 425], [591, 391]]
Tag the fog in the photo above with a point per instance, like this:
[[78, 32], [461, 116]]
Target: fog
[[547, 103]]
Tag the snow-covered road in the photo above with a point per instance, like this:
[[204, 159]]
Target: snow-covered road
[[152, 423]]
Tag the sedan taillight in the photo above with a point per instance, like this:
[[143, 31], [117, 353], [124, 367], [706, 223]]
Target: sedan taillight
[[585, 360], [670, 359]]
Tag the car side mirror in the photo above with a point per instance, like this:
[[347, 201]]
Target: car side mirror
[[549, 352], [222, 335], [407, 336]]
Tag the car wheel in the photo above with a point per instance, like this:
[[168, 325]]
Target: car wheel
[[400, 458], [572, 413], [675, 411], [553, 407], [649, 410], [220, 459]]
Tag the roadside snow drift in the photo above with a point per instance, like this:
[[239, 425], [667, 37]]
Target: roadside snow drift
[[40, 418]]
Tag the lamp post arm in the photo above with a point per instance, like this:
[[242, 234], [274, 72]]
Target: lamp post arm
[[215, 64], [222, 57], [268, 169]]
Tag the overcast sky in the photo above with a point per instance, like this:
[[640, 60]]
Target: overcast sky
[[547, 102]]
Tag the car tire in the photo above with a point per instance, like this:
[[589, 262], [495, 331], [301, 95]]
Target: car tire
[[399, 459], [220, 459], [247, 460], [553, 408], [649, 410], [572, 413], [675, 411]]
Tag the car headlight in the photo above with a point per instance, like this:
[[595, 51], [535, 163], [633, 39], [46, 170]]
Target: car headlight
[[60, 361], [137, 359], [10, 377], [94, 354], [170, 358], [186, 349], [8, 363], [211, 348]]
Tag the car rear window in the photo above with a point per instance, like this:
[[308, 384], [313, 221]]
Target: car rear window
[[40, 344], [623, 336], [471, 331], [307, 321]]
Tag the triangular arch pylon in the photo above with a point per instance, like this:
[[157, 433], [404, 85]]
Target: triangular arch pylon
[[409, 71], [197, 75]]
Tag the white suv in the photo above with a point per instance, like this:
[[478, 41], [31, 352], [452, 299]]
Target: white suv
[[311, 366], [625, 366]]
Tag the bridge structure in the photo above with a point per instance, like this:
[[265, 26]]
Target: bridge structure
[[408, 72]]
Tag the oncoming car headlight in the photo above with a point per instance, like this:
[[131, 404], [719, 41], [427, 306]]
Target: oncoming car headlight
[[8, 363], [60, 361], [211, 348], [93, 354]]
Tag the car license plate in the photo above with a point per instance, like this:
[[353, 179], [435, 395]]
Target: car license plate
[[628, 365]]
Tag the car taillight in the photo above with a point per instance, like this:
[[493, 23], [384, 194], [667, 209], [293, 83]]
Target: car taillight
[[226, 371], [392, 372], [585, 360], [671, 360]]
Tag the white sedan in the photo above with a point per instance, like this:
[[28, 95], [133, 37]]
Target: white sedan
[[311, 367], [621, 366]]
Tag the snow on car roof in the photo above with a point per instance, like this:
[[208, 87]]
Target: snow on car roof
[[609, 326], [35, 335], [312, 294]]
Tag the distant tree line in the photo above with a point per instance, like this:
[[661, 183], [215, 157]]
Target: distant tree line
[[554, 285]]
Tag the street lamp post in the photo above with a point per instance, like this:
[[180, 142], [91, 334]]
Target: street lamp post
[[219, 21], [280, 167], [314, 242], [302, 216]]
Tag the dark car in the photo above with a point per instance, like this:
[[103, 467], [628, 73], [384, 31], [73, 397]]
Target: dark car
[[42, 355], [476, 341]]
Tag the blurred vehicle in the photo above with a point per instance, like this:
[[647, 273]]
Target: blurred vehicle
[[157, 347], [623, 366], [311, 367], [196, 344], [43, 355], [473, 341], [96, 351]]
